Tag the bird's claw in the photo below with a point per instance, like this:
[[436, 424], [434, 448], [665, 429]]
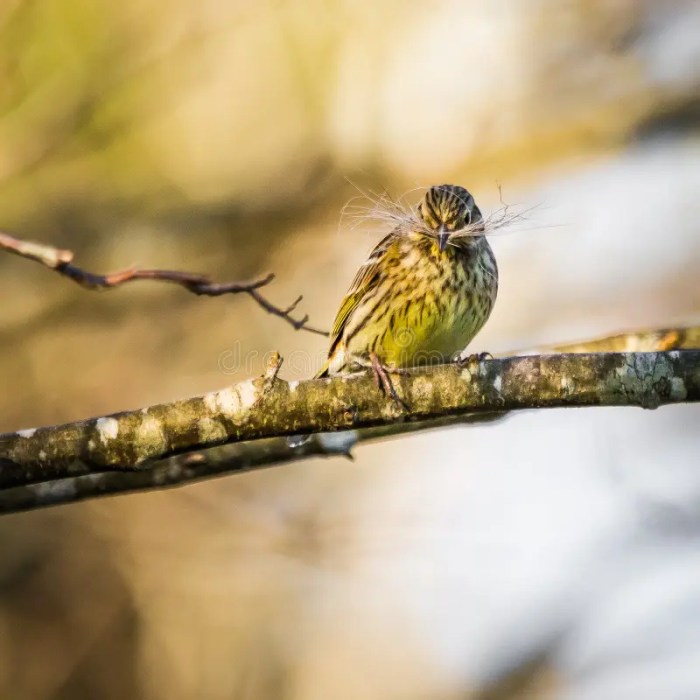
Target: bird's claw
[[382, 379], [472, 360]]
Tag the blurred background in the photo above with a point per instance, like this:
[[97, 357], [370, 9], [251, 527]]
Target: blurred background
[[552, 555]]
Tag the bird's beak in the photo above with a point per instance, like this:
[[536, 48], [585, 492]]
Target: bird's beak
[[442, 237]]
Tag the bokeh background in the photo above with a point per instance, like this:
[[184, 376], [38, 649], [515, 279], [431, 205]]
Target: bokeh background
[[553, 555]]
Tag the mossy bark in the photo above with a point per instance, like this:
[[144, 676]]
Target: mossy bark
[[271, 407]]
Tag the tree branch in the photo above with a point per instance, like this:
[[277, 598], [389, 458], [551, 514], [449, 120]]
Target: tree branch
[[61, 261], [213, 462], [271, 407], [659, 339], [69, 463]]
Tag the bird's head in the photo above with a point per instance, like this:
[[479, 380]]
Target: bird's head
[[447, 209]]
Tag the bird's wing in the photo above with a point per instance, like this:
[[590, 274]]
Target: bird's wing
[[367, 278]]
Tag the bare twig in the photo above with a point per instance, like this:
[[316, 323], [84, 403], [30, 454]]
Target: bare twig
[[46, 255], [62, 262]]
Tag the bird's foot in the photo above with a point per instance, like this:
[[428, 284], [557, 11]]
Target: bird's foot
[[471, 361], [382, 379], [381, 373]]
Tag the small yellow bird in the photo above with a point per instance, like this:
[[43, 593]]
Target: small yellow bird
[[422, 295]]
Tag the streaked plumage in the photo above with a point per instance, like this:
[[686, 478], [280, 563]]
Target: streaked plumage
[[424, 292]]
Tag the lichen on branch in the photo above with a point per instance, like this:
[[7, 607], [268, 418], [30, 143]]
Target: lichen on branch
[[268, 407]]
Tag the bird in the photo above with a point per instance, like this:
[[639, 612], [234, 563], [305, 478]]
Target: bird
[[424, 292]]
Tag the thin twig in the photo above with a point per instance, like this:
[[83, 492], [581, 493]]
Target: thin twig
[[61, 261]]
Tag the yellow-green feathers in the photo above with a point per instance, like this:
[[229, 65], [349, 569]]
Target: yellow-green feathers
[[424, 292]]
